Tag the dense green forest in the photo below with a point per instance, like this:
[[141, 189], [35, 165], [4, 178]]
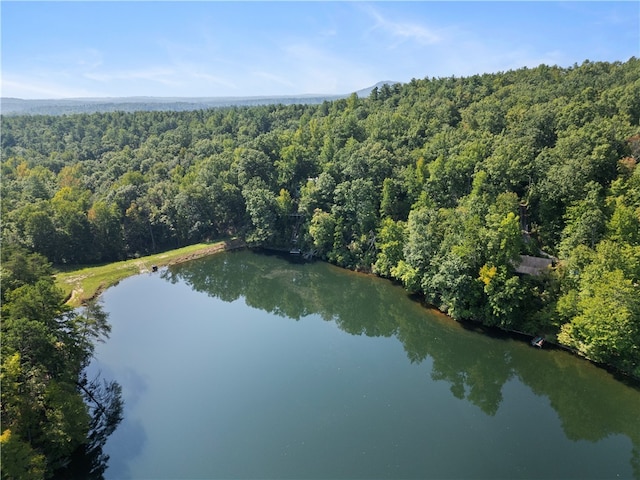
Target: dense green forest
[[442, 184], [55, 420]]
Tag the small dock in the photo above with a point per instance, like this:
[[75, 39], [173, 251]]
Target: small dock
[[538, 342]]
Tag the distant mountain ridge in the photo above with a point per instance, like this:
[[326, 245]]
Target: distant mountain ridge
[[19, 106]]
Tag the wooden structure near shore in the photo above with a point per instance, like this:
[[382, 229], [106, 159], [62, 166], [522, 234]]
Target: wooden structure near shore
[[533, 265]]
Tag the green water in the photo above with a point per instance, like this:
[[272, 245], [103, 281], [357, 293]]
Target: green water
[[250, 366]]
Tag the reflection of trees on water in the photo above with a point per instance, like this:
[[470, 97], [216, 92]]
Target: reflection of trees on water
[[475, 371], [292, 291], [591, 405], [89, 461]]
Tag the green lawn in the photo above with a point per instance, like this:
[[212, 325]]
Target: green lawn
[[83, 284]]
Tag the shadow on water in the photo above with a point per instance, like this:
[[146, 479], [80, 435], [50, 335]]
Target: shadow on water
[[89, 461], [126, 437], [475, 366]]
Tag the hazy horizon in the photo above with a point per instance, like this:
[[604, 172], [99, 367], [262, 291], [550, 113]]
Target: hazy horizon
[[173, 97]]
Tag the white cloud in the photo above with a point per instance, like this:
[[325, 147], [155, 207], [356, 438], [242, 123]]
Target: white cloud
[[163, 75], [89, 58], [86, 58], [19, 87], [272, 78], [212, 78], [316, 70], [403, 31]]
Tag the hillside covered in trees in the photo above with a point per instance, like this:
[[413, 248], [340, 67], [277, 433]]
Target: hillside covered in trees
[[443, 184]]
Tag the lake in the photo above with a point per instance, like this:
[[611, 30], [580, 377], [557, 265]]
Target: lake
[[246, 365]]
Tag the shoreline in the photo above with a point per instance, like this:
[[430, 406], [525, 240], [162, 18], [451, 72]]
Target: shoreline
[[85, 284], [79, 295]]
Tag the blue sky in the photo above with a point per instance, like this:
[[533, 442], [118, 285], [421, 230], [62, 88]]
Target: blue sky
[[241, 48]]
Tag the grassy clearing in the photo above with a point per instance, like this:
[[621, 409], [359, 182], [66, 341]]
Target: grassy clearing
[[83, 284]]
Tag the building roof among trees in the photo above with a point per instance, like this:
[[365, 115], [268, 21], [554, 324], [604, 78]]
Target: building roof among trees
[[533, 265]]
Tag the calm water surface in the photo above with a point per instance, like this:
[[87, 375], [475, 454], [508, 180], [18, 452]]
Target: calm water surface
[[249, 366]]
